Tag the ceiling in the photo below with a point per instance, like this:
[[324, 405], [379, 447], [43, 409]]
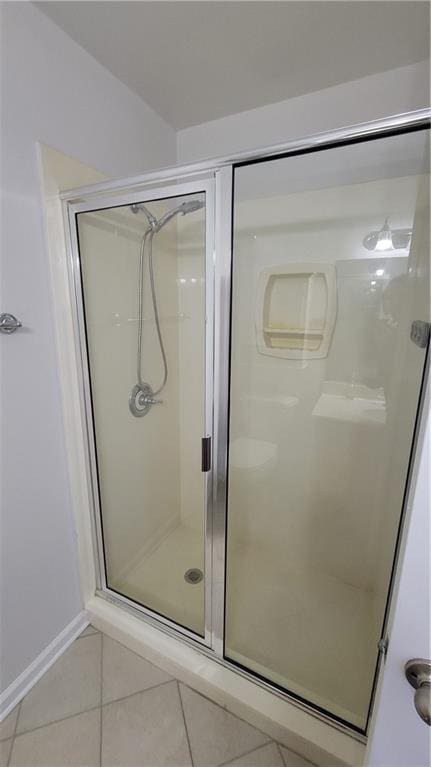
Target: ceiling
[[197, 61]]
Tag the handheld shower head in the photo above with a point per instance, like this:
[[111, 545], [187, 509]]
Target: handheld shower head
[[190, 206]]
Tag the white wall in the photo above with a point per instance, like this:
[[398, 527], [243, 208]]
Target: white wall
[[387, 93], [53, 92]]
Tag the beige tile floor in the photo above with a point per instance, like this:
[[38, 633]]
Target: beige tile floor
[[101, 705]]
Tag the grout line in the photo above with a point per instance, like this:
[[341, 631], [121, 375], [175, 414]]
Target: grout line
[[14, 734], [139, 692], [246, 753], [141, 657], [57, 721], [93, 708], [85, 636], [18, 718], [228, 711], [185, 723], [281, 754], [304, 758]]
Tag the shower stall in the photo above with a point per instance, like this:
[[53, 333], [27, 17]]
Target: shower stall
[[251, 342]]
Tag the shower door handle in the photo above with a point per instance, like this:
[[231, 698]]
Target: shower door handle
[[206, 454]]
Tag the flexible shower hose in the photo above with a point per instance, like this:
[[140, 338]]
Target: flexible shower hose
[[149, 234]]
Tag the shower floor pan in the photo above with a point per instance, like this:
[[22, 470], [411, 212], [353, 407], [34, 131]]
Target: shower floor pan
[[306, 631], [158, 580]]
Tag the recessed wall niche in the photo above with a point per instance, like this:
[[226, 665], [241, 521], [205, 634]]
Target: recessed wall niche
[[295, 310]]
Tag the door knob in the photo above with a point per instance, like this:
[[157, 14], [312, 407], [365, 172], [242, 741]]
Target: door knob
[[9, 323], [418, 674]]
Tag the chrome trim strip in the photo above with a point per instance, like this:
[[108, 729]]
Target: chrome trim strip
[[75, 286], [401, 121], [154, 619], [209, 395], [221, 401]]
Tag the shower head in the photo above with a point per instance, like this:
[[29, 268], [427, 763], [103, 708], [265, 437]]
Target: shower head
[[190, 206], [152, 220]]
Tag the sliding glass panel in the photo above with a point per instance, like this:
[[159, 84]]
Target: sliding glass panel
[[144, 281], [330, 270]]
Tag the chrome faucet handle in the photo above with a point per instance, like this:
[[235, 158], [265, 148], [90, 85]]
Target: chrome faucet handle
[[142, 399], [9, 323], [418, 674]]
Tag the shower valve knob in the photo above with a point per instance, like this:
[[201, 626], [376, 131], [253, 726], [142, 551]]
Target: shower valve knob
[[9, 323], [142, 399]]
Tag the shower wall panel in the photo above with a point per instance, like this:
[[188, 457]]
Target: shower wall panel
[[151, 487], [139, 505]]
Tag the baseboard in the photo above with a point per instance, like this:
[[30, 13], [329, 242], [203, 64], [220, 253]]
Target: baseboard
[[25, 681]]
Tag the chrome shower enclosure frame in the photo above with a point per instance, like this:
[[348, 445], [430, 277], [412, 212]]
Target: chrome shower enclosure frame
[[215, 178], [98, 203]]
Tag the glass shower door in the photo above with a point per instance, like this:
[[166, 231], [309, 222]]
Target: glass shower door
[[330, 313], [146, 278]]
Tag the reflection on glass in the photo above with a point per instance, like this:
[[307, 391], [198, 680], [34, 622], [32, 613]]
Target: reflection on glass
[[143, 276], [324, 391]]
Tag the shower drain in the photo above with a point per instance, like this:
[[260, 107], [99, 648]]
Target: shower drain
[[194, 575]]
